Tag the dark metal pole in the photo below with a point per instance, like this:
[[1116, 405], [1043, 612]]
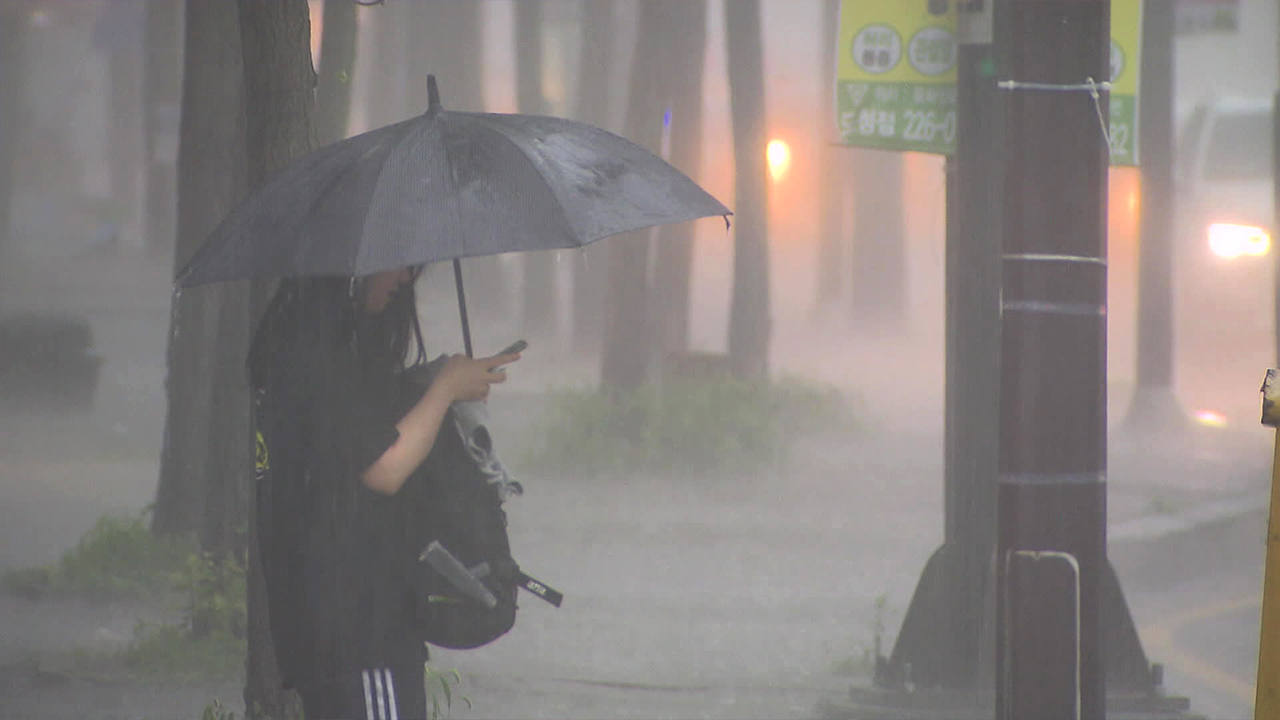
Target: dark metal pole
[[1052, 461], [1153, 398], [941, 635]]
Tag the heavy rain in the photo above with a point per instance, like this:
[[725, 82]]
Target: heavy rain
[[951, 417]]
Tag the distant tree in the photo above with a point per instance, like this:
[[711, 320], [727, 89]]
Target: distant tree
[[337, 69], [594, 92], [445, 39], [119, 34], [879, 289], [831, 264], [624, 363], [684, 50], [13, 27], [538, 291], [162, 94], [750, 323]]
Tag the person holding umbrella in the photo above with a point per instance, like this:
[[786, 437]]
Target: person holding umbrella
[[333, 452]]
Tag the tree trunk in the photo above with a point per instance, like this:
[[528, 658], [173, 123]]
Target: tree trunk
[[337, 67], [278, 82], [212, 178], [684, 49], [594, 91], [162, 93], [879, 255], [750, 324], [624, 363], [830, 211], [121, 26], [538, 311]]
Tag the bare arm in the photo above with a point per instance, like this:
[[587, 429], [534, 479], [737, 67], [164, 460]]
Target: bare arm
[[461, 378]]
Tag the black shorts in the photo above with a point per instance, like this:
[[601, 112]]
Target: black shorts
[[380, 693]]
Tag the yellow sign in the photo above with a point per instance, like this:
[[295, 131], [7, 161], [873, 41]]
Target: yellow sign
[[896, 76]]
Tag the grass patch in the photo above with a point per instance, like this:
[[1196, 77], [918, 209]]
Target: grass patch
[[712, 424], [118, 558]]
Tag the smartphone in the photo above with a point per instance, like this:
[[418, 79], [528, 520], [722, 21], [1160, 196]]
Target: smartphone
[[515, 347]]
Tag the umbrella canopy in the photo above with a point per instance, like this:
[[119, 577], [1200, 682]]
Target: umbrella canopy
[[443, 186]]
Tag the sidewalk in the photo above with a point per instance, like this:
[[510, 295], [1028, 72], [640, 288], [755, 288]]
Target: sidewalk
[[718, 597]]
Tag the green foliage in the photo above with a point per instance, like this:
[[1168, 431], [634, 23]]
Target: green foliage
[[215, 711], [170, 651], [210, 638], [118, 559], [215, 594], [438, 685], [863, 660], [713, 424]]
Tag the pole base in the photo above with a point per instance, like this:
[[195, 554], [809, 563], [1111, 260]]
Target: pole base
[[872, 703]]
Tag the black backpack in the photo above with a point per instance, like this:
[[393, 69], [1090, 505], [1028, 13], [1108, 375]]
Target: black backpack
[[451, 502]]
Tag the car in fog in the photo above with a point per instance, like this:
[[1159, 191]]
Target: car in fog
[[1225, 216]]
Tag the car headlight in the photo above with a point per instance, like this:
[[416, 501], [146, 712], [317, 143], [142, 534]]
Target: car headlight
[[1229, 240]]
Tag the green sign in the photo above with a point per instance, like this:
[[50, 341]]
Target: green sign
[[896, 76]]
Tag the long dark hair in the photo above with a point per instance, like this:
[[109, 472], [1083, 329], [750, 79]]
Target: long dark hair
[[380, 343]]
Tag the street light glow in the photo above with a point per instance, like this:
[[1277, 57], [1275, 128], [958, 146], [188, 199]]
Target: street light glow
[[779, 156], [1228, 240]]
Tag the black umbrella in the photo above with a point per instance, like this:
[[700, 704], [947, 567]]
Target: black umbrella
[[444, 186]]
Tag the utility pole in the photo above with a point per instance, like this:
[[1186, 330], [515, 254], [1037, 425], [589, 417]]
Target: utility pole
[[1153, 399], [941, 635], [1051, 497]]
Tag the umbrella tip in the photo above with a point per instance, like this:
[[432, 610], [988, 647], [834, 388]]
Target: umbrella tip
[[433, 95]]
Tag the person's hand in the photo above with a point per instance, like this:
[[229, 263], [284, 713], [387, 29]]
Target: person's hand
[[464, 378]]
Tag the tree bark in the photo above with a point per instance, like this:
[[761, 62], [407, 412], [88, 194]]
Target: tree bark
[[162, 93], [212, 177], [831, 243], [684, 49], [278, 81], [538, 288], [624, 363], [594, 92], [750, 323], [337, 68]]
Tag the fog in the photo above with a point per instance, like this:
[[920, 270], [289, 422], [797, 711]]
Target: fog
[[756, 593]]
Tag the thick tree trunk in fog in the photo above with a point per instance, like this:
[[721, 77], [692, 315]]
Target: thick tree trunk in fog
[[278, 82], [624, 362], [337, 67], [538, 289], [444, 39], [684, 49], [13, 25], [750, 324], [211, 179], [162, 94], [831, 161], [879, 286], [594, 91], [245, 111]]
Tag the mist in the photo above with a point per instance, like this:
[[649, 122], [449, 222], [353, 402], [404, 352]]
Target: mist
[[753, 585]]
